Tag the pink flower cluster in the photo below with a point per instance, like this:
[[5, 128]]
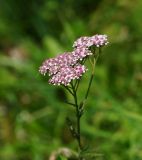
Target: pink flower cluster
[[67, 74], [54, 65], [97, 40], [66, 67]]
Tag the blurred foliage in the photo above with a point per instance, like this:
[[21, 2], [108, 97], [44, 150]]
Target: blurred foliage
[[32, 113]]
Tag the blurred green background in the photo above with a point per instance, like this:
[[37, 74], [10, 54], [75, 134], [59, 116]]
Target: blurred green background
[[33, 113]]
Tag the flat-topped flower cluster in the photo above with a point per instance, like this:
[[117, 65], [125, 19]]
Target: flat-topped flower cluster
[[67, 66]]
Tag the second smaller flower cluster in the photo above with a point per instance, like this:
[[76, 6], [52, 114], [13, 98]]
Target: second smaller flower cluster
[[67, 66]]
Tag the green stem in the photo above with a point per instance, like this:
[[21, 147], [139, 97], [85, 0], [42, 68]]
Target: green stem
[[79, 108], [78, 117], [68, 90], [70, 104], [88, 89], [77, 85], [92, 75]]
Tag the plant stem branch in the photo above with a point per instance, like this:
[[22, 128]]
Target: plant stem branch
[[78, 117], [80, 108], [92, 75], [70, 103], [68, 90]]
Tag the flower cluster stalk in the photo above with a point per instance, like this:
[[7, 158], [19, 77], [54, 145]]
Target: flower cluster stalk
[[80, 108]]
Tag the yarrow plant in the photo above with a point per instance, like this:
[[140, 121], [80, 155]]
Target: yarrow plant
[[67, 69]]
